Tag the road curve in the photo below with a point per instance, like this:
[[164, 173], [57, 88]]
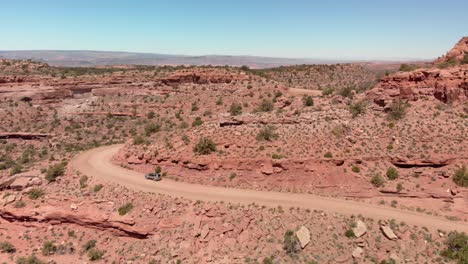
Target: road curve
[[97, 163]]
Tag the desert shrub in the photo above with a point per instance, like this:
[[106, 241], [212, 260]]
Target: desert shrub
[[204, 146], [97, 187], [457, 247], [461, 177], [349, 233], [150, 115], [358, 108], [392, 173], [152, 128], [95, 254], [307, 100], [399, 187], [265, 106], [83, 181], [186, 139], [48, 248], [195, 107], [29, 260], [158, 169], [197, 122], [219, 101], [139, 140], [89, 245], [347, 91], [406, 67], [355, 169], [267, 133], [20, 204], [125, 209], [328, 91], [7, 247], [235, 109], [55, 171], [328, 155], [397, 110], [377, 180], [35, 193], [291, 243], [17, 168]]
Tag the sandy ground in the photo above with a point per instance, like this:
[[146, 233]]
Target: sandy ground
[[98, 163]]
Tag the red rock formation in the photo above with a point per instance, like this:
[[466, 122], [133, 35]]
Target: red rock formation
[[23, 135], [457, 53], [447, 85]]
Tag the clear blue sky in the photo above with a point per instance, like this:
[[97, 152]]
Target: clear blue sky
[[361, 29]]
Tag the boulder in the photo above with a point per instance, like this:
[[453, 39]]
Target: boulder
[[360, 229], [303, 234], [388, 232], [357, 253]]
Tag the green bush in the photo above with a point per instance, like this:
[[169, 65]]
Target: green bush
[[358, 108], [328, 155], [83, 181], [265, 106], [307, 100], [377, 180], [125, 209], [347, 91], [350, 233], [204, 146], [392, 173], [17, 168], [457, 247], [290, 243], [397, 110], [461, 177], [89, 245], [235, 109], [197, 122], [267, 133], [97, 187], [29, 260], [152, 128], [35, 194], [48, 248], [406, 67], [95, 254], [55, 171], [139, 140], [355, 169], [7, 247]]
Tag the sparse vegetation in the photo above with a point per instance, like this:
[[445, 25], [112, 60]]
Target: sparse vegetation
[[48, 248], [29, 260], [358, 108], [290, 243], [55, 171], [457, 247], [392, 173], [7, 247], [307, 100], [125, 209], [235, 109], [204, 146], [267, 133], [461, 176], [35, 193], [397, 110], [265, 106], [377, 180]]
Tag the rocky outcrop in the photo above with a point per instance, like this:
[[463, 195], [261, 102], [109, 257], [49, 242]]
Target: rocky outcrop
[[457, 53], [405, 162], [24, 135], [446, 85], [360, 229], [11, 79], [87, 216]]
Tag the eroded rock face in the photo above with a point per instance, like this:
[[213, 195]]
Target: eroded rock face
[[457, 53], [446, 85]]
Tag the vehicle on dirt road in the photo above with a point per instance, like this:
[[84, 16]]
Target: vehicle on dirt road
[[153, 176]]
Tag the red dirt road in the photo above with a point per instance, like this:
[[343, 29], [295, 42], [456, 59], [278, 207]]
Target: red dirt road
[[97, 163]]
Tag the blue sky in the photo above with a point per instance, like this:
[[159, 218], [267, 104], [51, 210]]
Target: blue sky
[[353, 29]]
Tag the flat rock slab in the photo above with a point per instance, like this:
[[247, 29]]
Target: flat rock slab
[[303, 234]]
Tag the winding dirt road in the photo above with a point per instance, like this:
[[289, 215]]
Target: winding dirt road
[[97, 163]]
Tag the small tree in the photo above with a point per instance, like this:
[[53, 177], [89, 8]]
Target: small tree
[[204, 146]]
